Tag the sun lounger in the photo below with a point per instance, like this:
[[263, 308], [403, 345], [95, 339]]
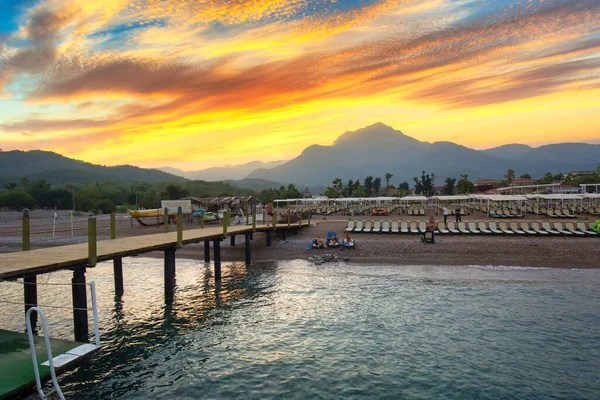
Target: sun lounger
[[442, 228], [462, 227], [422, 226], [421, 211], [360, 225], [376, 227], [452, 227], [567, 214], [548, 228], [494, 228], [550, 213], [558, 214], [368, 226], [569, 226], [413, 227], [582, 227], [483, 228], [503, 226], [536, 227], [473, 228], [559, 227], [395, 227], [385, 227], [515, 228], [527, 229], [350, 227], [404, 227]]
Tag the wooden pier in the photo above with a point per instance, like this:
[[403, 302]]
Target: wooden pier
[[28, 264]]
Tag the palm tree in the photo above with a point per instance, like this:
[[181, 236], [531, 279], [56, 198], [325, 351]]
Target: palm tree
[[388, 176], [509, 176]]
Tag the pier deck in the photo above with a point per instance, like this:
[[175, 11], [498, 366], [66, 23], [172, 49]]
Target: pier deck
[[18, 264]]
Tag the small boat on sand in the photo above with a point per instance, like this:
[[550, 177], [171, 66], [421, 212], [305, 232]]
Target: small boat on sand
[[154, 212]]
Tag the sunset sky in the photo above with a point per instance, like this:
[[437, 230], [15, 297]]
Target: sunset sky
[[194, 84]]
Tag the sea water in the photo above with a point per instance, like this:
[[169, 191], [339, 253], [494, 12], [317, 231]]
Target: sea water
[[336, 331]]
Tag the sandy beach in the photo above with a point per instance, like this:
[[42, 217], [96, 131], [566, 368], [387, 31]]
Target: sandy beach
[[556, 252]]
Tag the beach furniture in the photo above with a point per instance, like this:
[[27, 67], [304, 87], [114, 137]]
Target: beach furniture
[[404, 227], [550, 213], [413, 227], [473, 227], [428, 237], [368, 226], [422, 226], [483, 228], [515, 228], [350, 227], [569, 226], [332, 240], [462, 227], [359, 226], [421, 211], [559, 227], [548, 228], [536, 227], [376, 227], [567, 214], [395, 227], [582, 227], [442, 228], [494, 228], [452, 227], [503, 226], [558, 214], [385, 227], [525, 227]]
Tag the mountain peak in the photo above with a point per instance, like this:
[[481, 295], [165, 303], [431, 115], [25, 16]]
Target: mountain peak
[[377, 132]]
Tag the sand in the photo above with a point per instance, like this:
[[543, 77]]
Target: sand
[[396, 249]]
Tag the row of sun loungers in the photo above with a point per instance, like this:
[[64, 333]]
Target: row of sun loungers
[[475, 228]]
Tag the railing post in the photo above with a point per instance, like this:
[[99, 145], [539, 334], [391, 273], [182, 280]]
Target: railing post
[[308, 217], [92, 244], [26, 231], [207, 251], [274, 220], [225, 222], [254, 220], [179, 227], [166, 219], [113, 226], [202, 220], [289, 218], [300, 219]]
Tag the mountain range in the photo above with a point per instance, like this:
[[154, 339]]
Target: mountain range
[[377, 149], [229, 172]]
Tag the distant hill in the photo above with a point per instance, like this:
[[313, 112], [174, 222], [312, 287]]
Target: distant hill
[[231, 172], [57, 169], [377, 149], [254, 184]]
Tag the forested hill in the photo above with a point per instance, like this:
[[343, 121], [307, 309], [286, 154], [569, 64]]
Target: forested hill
[[57, 169]]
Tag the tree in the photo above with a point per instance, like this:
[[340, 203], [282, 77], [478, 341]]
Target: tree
[[291, 192], [17, 200], [377, 185], [174, 192], [526, 176], [349, 188], [509, 176], [368, 185], [465, 186], [388, 176], [449, 187], [338, 185], [425, 185], [403, 189]]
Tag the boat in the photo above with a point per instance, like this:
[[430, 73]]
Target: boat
[[208, 216], [154, 212]]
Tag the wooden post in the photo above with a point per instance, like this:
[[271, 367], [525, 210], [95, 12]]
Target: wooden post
[[254, 220], [92, 244], [225, 223], [247, 248], [217, 251], [274, 220], [26, 231], [202, 220], [232, 240], [207, 251], [118, 272], [308, 217], [169, 274], [30, 296], [179, 227], [269, 238], [80, 313], [113, 226], [247, 215], [300, 219], [289, 218], [166, 219]]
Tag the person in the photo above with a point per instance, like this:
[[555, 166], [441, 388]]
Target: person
[[431, 225], [319, 243], [269, 210], [445, 214], [347, 240], [457, 214]]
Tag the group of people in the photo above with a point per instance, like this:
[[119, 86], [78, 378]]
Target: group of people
[[331, 241], [456, 214]]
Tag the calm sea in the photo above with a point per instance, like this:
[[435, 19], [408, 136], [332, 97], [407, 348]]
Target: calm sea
[[294, 330]]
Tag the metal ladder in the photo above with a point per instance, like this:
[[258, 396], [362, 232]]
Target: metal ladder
[[49, 349]]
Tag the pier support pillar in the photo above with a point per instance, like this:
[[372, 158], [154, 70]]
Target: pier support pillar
[[169, 273], [232, 240], [118, 272], [248, 237], [283, 234], [80, 312], [269, 238], [217, 251], [30, 296], [206, 251]]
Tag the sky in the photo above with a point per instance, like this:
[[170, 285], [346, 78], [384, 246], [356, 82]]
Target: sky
[[202, 83]]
